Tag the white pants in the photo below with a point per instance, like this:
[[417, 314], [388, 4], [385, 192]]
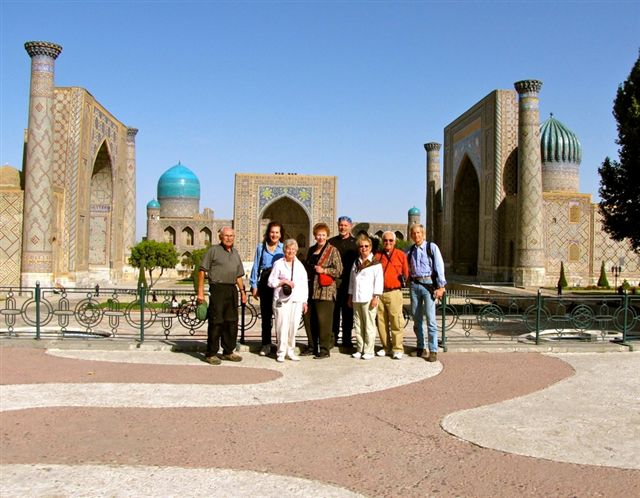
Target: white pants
[[364, 325], [287, 317]]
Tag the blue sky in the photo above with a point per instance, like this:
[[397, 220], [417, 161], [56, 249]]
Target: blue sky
[[352, 89]]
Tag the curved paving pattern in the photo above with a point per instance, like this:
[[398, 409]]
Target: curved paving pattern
[[103, 480], [592, 417], [377, 442], [298, 382]]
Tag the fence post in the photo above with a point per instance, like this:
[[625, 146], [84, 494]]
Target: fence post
[[142, 297], [37, 310], [444, 322], [538, 308], [625, 322]]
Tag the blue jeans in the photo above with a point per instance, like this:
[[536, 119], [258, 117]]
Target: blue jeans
[[423, 304]]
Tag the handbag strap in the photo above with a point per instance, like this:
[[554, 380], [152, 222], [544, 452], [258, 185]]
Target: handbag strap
[[323, 255]]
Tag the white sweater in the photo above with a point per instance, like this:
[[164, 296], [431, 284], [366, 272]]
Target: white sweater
[[282, 271]]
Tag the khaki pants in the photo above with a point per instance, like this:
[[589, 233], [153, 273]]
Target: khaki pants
[[390, 321]]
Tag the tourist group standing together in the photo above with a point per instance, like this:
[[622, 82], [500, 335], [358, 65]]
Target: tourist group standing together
[[341, 285]]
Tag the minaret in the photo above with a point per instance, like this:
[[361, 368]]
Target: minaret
[[129, 214], [434, 191], [38, 217], [530, 263]]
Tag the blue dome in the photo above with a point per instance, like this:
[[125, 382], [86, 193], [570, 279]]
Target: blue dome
[[179, 182], [414, 211], [153, 204], [558, 143]]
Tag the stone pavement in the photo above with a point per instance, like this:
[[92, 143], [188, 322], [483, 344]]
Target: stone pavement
[[159, 423]]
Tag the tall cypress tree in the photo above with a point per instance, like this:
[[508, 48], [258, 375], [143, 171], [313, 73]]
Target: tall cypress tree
[[602, 281], [562, 281], [620, 205]]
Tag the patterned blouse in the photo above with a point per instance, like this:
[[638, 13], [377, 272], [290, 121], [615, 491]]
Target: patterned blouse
[[332, 264]]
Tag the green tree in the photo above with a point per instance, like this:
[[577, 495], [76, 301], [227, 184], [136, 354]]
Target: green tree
[[620, 204], [562, 281], [602, 281], [150, 255], [196, 258]]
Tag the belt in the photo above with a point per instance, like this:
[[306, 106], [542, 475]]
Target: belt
[[417, 279], [391, 289]]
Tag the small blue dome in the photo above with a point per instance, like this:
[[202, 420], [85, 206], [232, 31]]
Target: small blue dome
[[179, 182], [153, 204], [558, 143], [414, 211]]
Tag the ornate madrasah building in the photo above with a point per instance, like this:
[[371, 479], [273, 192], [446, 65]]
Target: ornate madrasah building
[[296, 201], [69, 217], [507, 207]]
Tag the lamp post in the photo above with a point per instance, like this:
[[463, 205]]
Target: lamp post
[[616, 270]]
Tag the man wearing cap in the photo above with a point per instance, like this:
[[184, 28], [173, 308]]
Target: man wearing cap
[[224, 267], [345, 242], [395, 269], [426, 274]]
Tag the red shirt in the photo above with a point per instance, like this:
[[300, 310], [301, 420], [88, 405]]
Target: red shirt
[[393, 266]]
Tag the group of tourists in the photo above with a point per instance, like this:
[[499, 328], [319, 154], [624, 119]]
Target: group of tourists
[[341, 287]]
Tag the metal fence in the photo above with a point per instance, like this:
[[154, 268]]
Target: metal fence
[[138, 315], [495, 316]]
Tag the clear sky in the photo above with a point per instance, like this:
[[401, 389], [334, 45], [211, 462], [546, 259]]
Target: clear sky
[[346, 88]]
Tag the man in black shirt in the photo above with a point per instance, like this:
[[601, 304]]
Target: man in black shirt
[[345, 242]]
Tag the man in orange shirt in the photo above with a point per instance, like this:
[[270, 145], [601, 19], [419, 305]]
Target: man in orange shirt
[[395, 267]]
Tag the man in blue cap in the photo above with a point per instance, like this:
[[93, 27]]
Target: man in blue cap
[[345, 242]]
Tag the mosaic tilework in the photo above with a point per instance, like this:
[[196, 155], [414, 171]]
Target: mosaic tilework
[[316, 195], [73, 140], [530, 245], [129, 216], [11, 239], [38, 209]]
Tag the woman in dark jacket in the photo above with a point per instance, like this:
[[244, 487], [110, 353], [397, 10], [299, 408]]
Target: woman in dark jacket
[[323, 266]]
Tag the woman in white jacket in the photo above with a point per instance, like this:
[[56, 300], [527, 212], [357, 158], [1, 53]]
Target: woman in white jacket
[[366, 284], [288, 278]]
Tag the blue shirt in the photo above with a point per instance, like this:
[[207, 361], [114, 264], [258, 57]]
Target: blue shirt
[[264, 259], [420, 262]]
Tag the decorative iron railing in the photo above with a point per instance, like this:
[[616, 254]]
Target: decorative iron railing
[[170, 314]]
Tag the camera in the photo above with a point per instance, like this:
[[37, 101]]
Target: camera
[[286, 289]]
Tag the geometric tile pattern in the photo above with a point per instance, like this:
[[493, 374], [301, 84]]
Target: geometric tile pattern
[[530, 247], [254, 193], [64, 211], [38, 203], [10, 236], [571, 230]]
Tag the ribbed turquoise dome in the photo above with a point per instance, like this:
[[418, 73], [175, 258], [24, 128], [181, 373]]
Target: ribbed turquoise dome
[[558, 143], [414, 211], [153, 204], [179, 182]]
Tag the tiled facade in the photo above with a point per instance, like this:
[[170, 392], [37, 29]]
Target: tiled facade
[[76, 218], [481, 227]]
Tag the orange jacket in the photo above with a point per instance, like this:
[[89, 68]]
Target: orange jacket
[[394, 267]]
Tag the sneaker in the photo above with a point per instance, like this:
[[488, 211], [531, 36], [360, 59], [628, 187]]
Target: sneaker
[[397, 355], [280, 358], [212, 360], [357, 355], [381, 352], [294, 357], [433, 356], [266, 350], [368, 356], [232, 357]]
